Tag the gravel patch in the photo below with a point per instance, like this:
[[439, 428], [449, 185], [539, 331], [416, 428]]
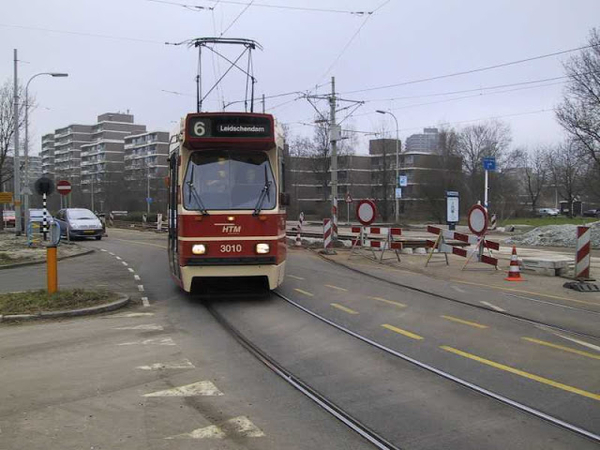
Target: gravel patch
[[556, 236]]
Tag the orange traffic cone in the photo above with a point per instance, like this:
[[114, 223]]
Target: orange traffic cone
[[514, 271]]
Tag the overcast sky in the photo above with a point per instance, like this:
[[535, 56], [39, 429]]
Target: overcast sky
[[130, 68]]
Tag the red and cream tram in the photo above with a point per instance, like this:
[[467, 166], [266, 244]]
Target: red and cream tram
[[226, 206]]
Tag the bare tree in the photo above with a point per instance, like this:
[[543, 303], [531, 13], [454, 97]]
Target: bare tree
[[579, 112], [567, 169], [476, 142], [535, 171]]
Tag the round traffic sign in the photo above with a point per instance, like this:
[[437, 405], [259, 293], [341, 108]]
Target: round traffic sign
[[63, 187], [44, 186], [366, 211], [478, 220]]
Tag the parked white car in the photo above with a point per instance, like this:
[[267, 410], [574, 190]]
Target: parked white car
[[548, 212]]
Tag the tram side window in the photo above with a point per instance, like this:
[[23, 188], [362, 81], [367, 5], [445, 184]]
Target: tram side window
[[228, 180]]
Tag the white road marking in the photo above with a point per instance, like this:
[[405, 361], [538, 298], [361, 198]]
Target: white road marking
[[132, 315], [209, 432], [111, 253], [155, 341], [497, 308], [457, 289], [102, 249], [145, 302], [130, 269], [118, 257], [185, 364], [124, 263], [150, 326], [295, 277], [136, 277], [141, 287], [242, 426], [585, 344], [201, 388]]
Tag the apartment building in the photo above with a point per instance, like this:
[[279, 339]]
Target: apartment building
[[426, 142], [102, 158], [47, 155], [372, 176], [67, 152], [145, 168]]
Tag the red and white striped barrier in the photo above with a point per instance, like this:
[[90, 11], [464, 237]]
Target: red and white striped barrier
[[299, 234], [327, 241], [582, 256], [443, 247], [381, 238]]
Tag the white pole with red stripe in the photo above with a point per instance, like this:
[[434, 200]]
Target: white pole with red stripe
[[334, 219], [582, 255], [327, 241], [299, 228]]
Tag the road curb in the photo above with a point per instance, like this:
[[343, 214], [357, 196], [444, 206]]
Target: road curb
[[121, 302], [42, 261]]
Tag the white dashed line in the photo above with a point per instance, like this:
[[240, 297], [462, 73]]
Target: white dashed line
[[497, 308], [111, 253], [185, 364], [145, 302], [141, 287], [457, 289], [102, 249], [147, 327], [124, 263], [130, 269], [577, 341], [209, 432], [201, 388], [157, 341], [118, 257], [136, 277]]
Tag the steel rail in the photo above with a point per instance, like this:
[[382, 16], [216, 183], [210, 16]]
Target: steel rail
[[354, 424], [461, 302], [467, 384]]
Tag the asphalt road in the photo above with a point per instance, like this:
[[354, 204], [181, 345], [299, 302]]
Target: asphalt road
[[85, 383]]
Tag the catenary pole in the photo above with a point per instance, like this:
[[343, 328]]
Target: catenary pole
[[16, 161], [334, 136]]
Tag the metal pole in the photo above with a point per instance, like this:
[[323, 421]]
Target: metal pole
[[333, 136], [397, 206], [148, 191], [485, 193], [44, 214], [92, 178], [26, 156], [16, 161]]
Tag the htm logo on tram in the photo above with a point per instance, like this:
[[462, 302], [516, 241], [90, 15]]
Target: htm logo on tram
[[232, 229]]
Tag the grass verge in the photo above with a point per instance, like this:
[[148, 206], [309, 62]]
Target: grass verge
[[542, 221], [32, 302]]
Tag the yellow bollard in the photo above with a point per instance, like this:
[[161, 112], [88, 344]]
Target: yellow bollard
[[52, 269]]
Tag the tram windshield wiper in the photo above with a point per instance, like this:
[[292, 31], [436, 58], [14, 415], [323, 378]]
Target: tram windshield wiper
[[264, 193], [192, 191]]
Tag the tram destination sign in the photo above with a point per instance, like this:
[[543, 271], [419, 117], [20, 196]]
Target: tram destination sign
[[245, 126]]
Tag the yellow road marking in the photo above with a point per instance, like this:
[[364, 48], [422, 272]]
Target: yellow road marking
[[521, 373], [343, 308], [465, 322], [140, 243], [336, 287], [401, 331], [526, 292], [295, 277], [560, 347], [304, 292], [379, 299]]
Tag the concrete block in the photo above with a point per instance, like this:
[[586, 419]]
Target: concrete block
[[407, 251], [548, 266]]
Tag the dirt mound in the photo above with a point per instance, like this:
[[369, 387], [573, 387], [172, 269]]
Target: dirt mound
[[556, 236]]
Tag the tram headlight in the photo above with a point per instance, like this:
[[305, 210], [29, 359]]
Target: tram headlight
[[262, 248], [198, 249]]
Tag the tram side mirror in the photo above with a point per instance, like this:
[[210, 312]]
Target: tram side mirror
[[284, 199]]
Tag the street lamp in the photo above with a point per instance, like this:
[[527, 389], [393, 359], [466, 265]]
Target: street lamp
[[26, 153], [397, 207]]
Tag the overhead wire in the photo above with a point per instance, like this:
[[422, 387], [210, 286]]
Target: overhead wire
[[298, 8], [470, 71], [237, 18]]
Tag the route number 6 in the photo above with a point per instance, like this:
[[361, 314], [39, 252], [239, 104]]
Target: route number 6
[[199, 128]]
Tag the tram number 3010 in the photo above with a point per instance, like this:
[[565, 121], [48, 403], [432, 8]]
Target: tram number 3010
[[231, 248]]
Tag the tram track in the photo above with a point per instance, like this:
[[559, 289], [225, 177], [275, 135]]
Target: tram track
[[346, 417], [472, 305]]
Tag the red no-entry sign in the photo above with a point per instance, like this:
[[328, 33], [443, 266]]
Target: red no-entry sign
[[63, 187], [366, 211]]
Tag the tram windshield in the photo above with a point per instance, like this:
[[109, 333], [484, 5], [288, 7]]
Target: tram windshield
[[226, 180]]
